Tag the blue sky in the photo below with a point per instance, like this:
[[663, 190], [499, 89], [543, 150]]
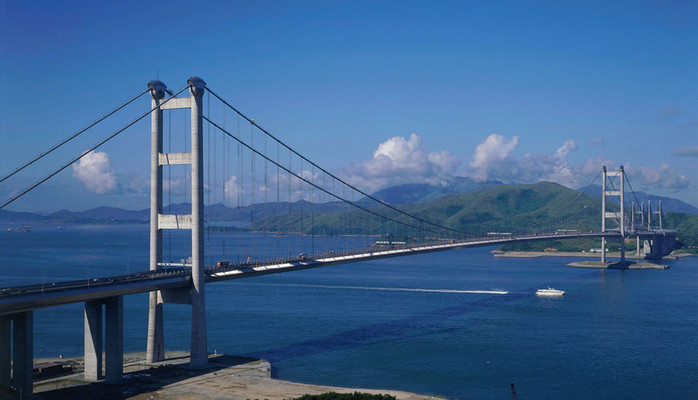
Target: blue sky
[[511, 90]]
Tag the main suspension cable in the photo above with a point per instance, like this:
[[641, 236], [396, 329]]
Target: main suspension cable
[[83, 130], [51, 175], [307, 181], [250, 120]]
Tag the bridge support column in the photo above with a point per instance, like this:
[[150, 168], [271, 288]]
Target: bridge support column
[[22, 352], [5, 349], [603, 249], [93, 340], [17, 338], [113, 339], [637, 250]]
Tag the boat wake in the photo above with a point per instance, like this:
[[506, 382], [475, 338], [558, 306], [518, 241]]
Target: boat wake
[[391, 289]]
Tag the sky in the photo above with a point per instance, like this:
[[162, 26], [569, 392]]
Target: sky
[[379, 92]]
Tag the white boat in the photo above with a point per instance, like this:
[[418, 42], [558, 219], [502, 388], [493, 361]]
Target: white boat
[[549, 292]]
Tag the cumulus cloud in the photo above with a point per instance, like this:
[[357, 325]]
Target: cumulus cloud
[[493, 160], [649, 178], [596, 141], [492, 151], [691, 151], [399, 161], [231, 188], [93, 170]]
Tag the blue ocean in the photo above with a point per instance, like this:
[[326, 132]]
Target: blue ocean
[[613, 335]]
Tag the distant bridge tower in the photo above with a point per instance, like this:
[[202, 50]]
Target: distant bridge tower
[[158, 221], [617, 217], [650, 212]]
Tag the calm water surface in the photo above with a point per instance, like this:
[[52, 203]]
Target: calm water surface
[[614, 334]]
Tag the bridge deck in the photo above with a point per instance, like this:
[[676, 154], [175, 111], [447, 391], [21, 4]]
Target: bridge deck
[[23, 298]]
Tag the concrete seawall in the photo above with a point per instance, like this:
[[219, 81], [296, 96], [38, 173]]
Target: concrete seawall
[[228, 377]]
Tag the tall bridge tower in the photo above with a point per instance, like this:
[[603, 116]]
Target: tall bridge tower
[[194, 295], [617, 218]]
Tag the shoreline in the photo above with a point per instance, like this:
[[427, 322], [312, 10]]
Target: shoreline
[[230, 377], [579, 254]]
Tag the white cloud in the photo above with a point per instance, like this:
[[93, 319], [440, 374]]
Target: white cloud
[[651, 179], [493, 160], [232, 188], [493, 150], [398, 161], [93, 170]]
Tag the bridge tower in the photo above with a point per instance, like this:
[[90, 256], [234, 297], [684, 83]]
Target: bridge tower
[[617, 217], [194, 295]]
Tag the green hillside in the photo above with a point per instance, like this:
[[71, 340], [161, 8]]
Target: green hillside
[[686, 226], [503, 208]]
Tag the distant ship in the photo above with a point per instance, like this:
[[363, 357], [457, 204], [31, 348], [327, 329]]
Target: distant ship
[[25, 228], [549, 292]]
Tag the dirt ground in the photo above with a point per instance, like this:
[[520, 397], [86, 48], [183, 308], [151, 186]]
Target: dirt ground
[[227, 377]]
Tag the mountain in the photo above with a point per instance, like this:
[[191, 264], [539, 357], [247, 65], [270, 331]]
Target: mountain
[[669, 204], [19, 217], [424, 192], [103, 213], [500, 208], [215, 213]]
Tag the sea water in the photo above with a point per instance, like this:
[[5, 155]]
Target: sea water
[[614, 334]]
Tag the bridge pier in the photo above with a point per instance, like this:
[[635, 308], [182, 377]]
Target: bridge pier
[[113, 335], [17, 338]]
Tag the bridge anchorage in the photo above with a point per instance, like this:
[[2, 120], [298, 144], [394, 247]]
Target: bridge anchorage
[[368, 229]]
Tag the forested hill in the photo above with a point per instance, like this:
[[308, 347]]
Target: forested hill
[[500, 208]]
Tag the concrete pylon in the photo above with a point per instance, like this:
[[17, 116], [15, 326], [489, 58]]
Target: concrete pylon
[[199, 353], [155, 350], [614, 216], [194, 221]]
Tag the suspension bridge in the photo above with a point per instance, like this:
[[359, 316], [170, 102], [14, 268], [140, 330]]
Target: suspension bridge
[[289, 201]]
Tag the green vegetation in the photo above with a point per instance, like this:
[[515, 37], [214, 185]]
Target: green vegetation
[[346, 396], [686, 226], [582, 244], [503, 208]]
